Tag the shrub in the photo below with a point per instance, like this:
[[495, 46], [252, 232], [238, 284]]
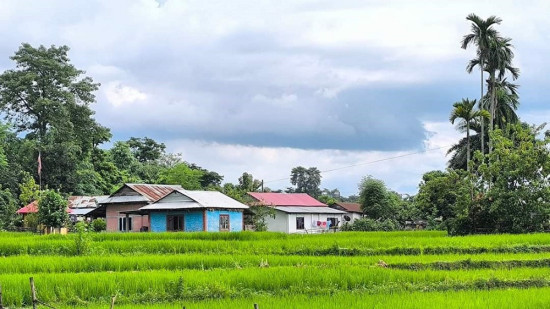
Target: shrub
[[82, 240], [367, 224], [99, 225]]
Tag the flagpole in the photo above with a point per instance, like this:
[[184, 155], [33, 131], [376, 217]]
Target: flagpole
[[40, 172]]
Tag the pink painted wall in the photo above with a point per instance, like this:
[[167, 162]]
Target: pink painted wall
[[112, 215]]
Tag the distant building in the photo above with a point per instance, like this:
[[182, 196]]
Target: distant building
[[78, 207], [298, 213], [353, 209]]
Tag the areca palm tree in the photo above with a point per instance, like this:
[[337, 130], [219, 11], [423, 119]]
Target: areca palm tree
[[481, 36], [465, 110], [506, 103], [498, 63]]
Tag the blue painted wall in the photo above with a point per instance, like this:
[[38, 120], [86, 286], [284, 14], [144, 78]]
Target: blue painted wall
[[213, 220], [192, 221]]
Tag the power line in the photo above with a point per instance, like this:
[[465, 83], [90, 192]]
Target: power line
[[370, 162]]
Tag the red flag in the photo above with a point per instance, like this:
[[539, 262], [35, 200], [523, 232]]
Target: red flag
[[39, 164]]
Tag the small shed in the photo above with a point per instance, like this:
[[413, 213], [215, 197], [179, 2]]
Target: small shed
[[193, 211]]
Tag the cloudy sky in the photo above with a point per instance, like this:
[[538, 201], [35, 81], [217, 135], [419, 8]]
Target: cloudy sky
[[263, 86]]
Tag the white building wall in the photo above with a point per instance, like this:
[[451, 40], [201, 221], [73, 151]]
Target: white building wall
[[279, 223], [310, 221]]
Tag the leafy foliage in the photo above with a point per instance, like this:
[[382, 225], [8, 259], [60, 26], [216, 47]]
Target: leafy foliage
[[8, 207], [306, 180], [52, 209]]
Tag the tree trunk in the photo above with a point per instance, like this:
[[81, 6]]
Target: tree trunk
[[481, 107], [468, 146], [492, 109]]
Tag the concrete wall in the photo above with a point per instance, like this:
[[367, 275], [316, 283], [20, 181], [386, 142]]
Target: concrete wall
[[192, 220], [213, 220], [279, 223], [286, 223], [112, 215]]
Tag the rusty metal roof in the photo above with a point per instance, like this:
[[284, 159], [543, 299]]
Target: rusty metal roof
[[32, 207], [153, 192], [351, 207], [86, 201]]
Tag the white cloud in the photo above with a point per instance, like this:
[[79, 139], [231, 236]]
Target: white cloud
[[118, 94], [402, 171]]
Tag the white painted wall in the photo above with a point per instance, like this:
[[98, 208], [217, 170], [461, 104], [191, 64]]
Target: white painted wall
[[279, 223], [286, 223]]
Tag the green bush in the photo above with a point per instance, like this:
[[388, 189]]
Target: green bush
[[369, 225], [99, 225]]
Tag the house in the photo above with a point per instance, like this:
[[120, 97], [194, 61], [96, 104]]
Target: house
[[81, 206], [130, 197], [298, 212], [77, 206], [353, 209], [193, 211]]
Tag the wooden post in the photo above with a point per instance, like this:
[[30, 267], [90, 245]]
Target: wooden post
[[256, 306], [113, 299], [33, 292], [1, 306]]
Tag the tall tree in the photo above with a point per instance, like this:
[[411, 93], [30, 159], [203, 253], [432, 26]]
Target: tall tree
[[45, 90], [146, 149], [375, 199], [47, 98], [499, 62], [481, 36], [306, 180], [465, 110]]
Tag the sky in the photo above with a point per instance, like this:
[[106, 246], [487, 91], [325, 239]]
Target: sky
[[264, 86]]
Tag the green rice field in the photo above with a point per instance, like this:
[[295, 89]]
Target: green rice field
[[422, 269]]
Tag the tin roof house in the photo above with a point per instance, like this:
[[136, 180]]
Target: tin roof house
[[193, 211], [117, 208], [298, 213]]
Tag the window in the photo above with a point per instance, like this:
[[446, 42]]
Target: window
[[174, 223], [300, 223], [224, 222], [332, 222], [122, 224]]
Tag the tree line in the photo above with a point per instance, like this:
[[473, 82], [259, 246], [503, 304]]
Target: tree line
[[497, 178]]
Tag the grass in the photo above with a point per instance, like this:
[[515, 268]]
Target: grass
[[494, 299], [208, 270]]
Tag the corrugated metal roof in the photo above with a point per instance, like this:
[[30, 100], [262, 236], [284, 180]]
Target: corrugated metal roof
[[172, 206], [153, 192], [311, 210], [32, 207], [213, 199], [81, 211], [86, 201], [286, 199], [125, 199], [199, 199], [350, 207]]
